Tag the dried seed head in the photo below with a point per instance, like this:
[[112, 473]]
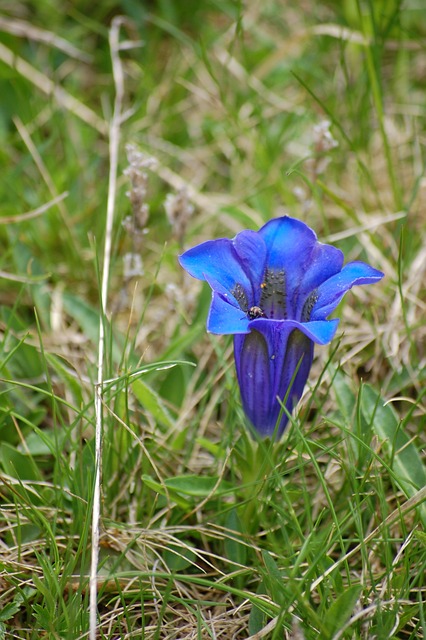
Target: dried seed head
[[323, 139], [178, 210], [132, 266], [139, 163], [323, 143]]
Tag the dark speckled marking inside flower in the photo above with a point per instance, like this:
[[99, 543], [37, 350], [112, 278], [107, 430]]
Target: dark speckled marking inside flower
[[308, 306], [273, 297], [240, 296]]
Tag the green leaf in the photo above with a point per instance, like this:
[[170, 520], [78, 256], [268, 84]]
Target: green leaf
[[190, 485], [42, 442], [236, 551], [24, 359], [18, 465], [340, 611], [257, 619], [271, 566], [407, 464], [214, 448], [199, 486], [353, 419], [173, 387], [87, 317], [421, 537], [66, 375], [178, 558], [11, 608], [161, 490], [344, 396], [183, 341], [152, 402], [273, 579]]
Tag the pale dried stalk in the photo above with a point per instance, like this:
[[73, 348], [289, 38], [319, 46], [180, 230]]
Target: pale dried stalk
[[40, 164], [47, 86], [24, 29], [14, 278], [22, 217], [114, 141]]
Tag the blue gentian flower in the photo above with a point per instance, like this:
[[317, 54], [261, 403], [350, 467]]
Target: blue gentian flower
[[273, 289]]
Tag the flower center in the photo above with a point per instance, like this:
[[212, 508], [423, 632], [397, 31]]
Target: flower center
[[272, 301], [273, 297]]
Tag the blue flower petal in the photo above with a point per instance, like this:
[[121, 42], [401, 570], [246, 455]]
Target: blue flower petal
[[255, 378], [325, 261], [251, 250], [293, 248], [272, 366], [223, 291], [289, 243], [225, 318], [217, 260], [320, 331], [294, 373], [330, 293]]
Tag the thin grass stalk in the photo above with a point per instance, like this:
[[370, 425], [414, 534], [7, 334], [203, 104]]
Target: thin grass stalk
[[51, 88], [417, 499], [377, 94], [114, 143]]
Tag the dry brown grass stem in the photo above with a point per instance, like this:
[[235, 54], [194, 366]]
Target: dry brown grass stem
[[41, 166], [24, 29], [14, 278], [23, 217], [372, 221], [47, 86], [350, 35]]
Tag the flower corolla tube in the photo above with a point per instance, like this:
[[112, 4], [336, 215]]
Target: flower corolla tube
[[273, 289]]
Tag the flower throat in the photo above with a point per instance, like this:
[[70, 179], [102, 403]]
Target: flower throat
[[272, 300]]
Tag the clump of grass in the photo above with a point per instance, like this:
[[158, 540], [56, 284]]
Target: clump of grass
[[203, 532]]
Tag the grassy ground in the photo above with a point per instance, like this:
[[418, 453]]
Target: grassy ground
[[205, 534]]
